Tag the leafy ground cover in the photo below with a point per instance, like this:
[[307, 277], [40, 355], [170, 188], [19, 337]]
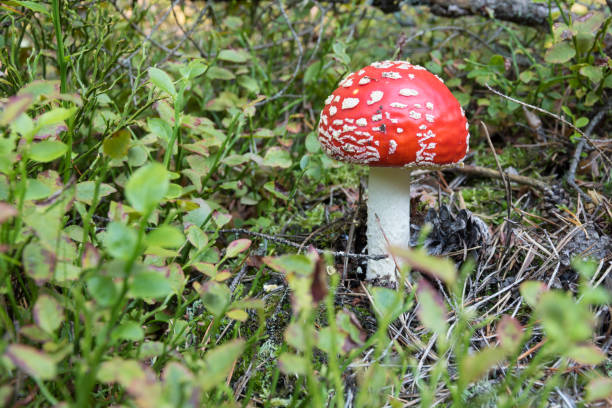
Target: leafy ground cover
[[172, 235]]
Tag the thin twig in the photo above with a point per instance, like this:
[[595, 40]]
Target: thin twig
[[499, 168], [323, 12], [296, 245], [187, 34], [147, 37], [486, 172], [570, 177], [560, 118], [298, 66]]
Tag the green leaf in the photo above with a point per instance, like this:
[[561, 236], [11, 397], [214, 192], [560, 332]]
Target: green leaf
[[14, 107], [102, 289], [441, 268], [218, 363], [527, 76], [433, 67], [32, 361], [295, 336], [54, 116], [192, 70], [174, 191], [117, 145], [160, 128], [238, 56], [294, 263], [85, 191], [581, 122], [564, 321], [216, 72], [47, 150], [594, 74], [586, 354], [476, 365], [589, 23], [24, 125], [531, 291], [7, 212], [249, 83], [496, 63], [166, 236], [596, 295], [432, 309], [215, 297], [586, 268], [509, 333], [163, 81], [560, 53], [34, 6], [340, 53], [129, 330], [277, 157], [124, 372], [120, 240], [312, 143], [235, 159], [150, 284], [290, 363], [147, 186], [238, 314], [49, 89], [48, 313], [311, 75], [197, 237], [237, 246], [325, 340], [388, 304], [271, 187], [38, 262], [36, 190], [599, 389]]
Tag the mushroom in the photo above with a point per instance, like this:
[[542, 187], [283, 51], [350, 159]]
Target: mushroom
[[393, 117]]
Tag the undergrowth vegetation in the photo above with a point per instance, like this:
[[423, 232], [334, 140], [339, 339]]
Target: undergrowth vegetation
[[171, 233]]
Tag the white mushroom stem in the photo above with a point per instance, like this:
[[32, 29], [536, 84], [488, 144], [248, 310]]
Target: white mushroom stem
[[388, 218]]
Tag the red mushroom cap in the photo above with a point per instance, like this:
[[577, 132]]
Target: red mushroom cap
[[393, 113]]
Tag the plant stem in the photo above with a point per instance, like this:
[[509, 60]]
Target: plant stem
[[61, 61], [87, 378], [333, 355], [175, 134]]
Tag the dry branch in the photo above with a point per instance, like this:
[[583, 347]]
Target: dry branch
[[486, 172], [524, 12]]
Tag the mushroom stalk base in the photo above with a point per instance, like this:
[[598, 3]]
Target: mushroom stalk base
[[388, 218]]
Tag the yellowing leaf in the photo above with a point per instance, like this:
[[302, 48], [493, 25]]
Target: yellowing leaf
[[237, 246], [32, 361], [117, 145], [238, 314], [441, 268], [560, 53]]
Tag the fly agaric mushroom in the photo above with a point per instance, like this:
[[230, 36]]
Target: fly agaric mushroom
[[394, 117]]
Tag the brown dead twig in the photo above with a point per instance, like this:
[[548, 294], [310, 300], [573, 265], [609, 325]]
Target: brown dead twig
[[520, 12], [296, 245], [508, 189], [490, 173], [570, 177]]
